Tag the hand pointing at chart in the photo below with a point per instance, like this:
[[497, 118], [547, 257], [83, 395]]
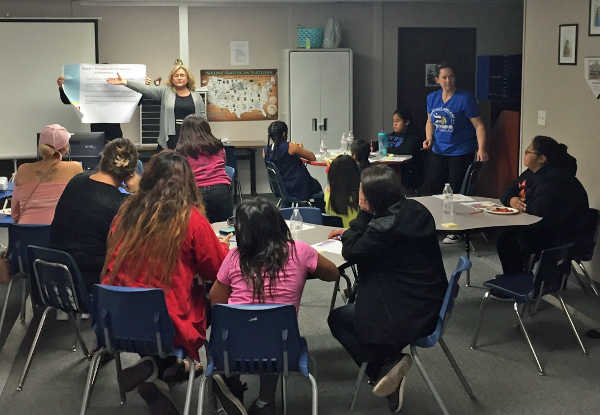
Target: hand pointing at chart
[[117, 81]]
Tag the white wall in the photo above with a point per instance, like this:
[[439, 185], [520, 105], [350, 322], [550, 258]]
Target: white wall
[[572, 112], [150, 35]]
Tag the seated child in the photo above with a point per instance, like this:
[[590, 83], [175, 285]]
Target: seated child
[[341, 197]]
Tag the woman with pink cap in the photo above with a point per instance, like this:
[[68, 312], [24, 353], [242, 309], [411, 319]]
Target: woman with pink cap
[[38, 185]]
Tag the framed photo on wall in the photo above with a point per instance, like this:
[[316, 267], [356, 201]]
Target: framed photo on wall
[[567, 44], [594, 22]]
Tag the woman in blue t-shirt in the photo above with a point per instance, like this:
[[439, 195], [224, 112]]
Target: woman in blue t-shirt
[[455, 133], [286, 156]]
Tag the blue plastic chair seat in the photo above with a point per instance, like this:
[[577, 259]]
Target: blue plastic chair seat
[[519, 286]]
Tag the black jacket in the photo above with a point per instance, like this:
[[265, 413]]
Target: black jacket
[[402, 278], [555, 194]]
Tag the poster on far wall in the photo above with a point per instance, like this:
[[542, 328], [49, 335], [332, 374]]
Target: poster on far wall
[[594, 14], [241, 95], [592, 74]]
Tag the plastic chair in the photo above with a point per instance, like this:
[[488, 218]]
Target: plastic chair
[[132, 320], [467, 187], [60, 287], [235, 184], [332, 220], [547, 277], [278, 189], [19, 237], [309, 214], [431, 340], [256, 339], [583, 250]]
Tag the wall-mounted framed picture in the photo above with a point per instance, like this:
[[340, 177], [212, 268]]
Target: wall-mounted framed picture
[[594, 22], [567, 44]]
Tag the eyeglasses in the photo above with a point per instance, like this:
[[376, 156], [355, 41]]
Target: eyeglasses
[[531, 152]]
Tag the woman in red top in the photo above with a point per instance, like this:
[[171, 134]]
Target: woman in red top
[[161, 238]]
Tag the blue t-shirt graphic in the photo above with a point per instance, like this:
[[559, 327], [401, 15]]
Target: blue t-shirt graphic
[[454, 134]]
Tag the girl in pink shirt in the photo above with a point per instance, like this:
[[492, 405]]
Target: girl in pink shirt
[[206, 156], [267, 267]]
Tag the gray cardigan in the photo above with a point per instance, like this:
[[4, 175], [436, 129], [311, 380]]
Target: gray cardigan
[[166, 95]]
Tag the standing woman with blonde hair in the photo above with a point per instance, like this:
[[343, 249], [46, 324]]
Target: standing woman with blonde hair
[[38, 185], [160, 238], [177, 100]]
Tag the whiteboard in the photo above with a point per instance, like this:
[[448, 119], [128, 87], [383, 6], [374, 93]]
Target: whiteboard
[[33, 52]]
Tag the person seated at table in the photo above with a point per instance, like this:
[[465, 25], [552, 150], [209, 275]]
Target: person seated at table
[[360, 150], [548, 188], [160, 238], [287, 156], [206, 156], [267, 267], [88, 205], [341, 196], [403, 141], [38, 185], [401, 283]]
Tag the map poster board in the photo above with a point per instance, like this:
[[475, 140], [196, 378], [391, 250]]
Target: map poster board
[[240, 95]]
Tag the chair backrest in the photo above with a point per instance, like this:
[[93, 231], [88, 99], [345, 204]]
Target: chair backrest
[[332, 220], [19, 238], [275, 181], [230, 157], [447, 304], [468, 184], [586, 241], [309, 214], [254, 338], [133, 320], [230, 172], [550, 270], [59, 281]]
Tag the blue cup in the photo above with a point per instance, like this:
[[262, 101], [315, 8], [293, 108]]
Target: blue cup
[[382, 140]]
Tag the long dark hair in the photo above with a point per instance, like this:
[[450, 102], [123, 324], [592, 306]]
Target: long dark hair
[[344, 178], [555, 152], [152, 224], [382, 187], [263, 242], [195, 138], [277, 134], [360, 150]]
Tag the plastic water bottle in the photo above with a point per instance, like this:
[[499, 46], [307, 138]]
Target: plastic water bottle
[[382, 141], [349, 140], [344, 143], [447, 201], [296, 221]]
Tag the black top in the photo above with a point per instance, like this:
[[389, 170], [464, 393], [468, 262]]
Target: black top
[[110, 130], [412, 170], [558, 197], [402, 281], [82, 220], [184, 106]]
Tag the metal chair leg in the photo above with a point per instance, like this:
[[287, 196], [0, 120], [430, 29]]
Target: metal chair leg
[[201, 390], [75, 318], [526, 334], [590, 281], [284, 393], [486, 295], [336, 287], [436, 395], [23, 301], [457, 370], [119, 368], [564, 307], [315, 395], [32, 350], [91, 378], [359, 379], [468, 252], [5, 305], [190, 385]]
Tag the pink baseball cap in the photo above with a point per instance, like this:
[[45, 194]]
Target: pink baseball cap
[[55, 136]]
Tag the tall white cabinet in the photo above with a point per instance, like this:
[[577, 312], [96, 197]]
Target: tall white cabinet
[[316, 90]]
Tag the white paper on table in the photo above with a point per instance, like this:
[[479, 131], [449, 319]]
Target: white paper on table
[[457, 197], [96, 100], [305, 226], [484, 204], [330, 245]]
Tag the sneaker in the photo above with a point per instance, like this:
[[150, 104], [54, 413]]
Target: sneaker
[[396, 399], [452, 239], [145, 370], [229, 402], [158, 401], [390, 381], [268, 408]]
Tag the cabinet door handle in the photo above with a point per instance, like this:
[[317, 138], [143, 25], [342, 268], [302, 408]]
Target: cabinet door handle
[[325, 124], [314, 124]]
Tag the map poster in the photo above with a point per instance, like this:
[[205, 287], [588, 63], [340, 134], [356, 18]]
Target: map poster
[[240, 95]]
